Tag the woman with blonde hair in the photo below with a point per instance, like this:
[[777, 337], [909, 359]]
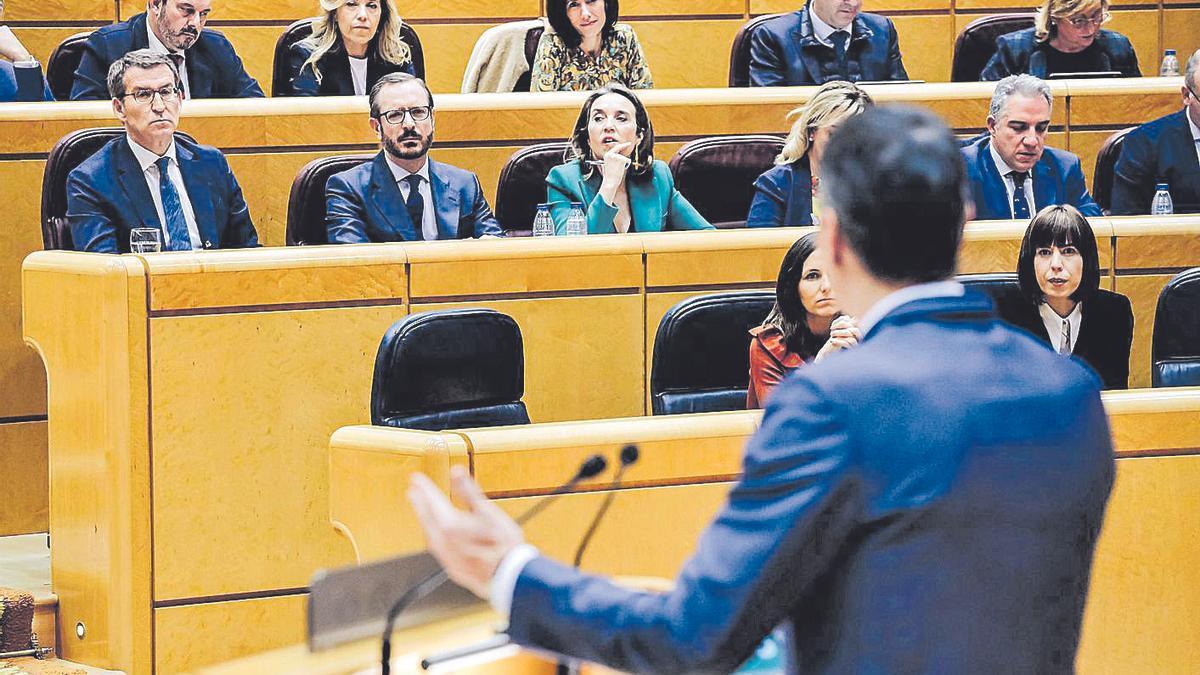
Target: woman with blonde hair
[[785, 195], [353, 44], [1065, 38]]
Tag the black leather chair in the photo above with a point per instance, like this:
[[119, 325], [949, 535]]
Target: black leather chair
[[306, 201], [702, 352], [739, 53], [1175, 347], [525, 81], [1001, 286], [977, 42], [64, 61], [68, 153], [522, 186], [1106, 161], [717, 174], [301, 29], [449, 370]]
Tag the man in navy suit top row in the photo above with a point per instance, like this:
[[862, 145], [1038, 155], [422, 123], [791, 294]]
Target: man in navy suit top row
[[1013, 174], [207, 63], [926, 502], [148, 178], [402, 194]]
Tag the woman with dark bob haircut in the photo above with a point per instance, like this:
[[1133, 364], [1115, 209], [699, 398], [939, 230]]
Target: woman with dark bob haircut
[[804, 325], [1061, 300], [586, 49], [610, 169]]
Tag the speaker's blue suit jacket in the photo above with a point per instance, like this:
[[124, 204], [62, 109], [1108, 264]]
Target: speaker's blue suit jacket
[[365, 204], [107, 196], [1057, 179], [213, 67], [927, 502]]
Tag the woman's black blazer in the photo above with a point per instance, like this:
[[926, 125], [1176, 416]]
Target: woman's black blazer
[[335, 71], [1105, 333]]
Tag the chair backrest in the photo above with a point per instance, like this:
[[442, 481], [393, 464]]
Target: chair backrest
[[68, 153], [448, 370], [525, 81], [1106, 160], [702, 352], [739, 53], [1175, 347], [64, 61], [306, 201], [301, 29], [1001, 286], [522, 186], [717, 174], [977, 42]]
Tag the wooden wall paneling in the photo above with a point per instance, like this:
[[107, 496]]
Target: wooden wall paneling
[[990, 246], [1141, 27], [100, 467], [671, 51], [256, 47], [22, 375], [1087, 144], [190, 636], [249, 467], [266, 180], [58, 10], [758, 7], [1156, 243], [926, 44], [1123, 102], [486, 163], [1142, 291], [632, 8], [26, 506], [447, 49], [1181, 32], [41, 40]]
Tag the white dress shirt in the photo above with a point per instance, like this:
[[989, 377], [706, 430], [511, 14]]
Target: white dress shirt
[[1055, 325], [1195, 133], [1006, 175], [358, 75], [158, 47], [428, 217], [822, 30], [504, 580], [146, 160]]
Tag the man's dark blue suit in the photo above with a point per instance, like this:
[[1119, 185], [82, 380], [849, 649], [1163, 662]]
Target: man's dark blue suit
[[1160, 151], [23, 84], [785, 52], [364, 204], [927, 502], [1057, 179], [107, 196], [213, 67]]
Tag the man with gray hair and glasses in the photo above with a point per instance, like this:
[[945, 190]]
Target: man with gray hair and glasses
[[1013, 174], [1166, 150], [149, 178]]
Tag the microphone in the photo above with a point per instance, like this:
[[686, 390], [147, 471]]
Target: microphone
[[591, 467], [629, 455]]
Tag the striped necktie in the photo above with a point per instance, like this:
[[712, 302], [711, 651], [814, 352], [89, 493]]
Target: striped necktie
[[1064, 345], [175, 225]]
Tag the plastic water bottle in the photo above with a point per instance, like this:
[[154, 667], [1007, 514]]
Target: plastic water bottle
[[543, 224], [1170, 64], [1162, 204], [576, 221]]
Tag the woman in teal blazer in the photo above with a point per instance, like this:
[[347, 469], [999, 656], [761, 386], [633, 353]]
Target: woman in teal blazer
[[614, 174]]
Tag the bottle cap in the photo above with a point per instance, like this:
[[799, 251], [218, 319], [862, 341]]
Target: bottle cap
[[1169, 52], [1161, 186]]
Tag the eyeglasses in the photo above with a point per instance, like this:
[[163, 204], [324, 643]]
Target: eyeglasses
[[418, 113], [168, 93], [1094, 20]]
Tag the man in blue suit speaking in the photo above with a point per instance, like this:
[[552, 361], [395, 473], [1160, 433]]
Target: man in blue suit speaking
[[148, 178], [402, 195], [1013, 174], [927, 502]]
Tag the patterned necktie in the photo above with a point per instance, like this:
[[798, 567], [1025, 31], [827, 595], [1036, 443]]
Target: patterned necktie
[[840, 38], [175, 225], [415, 205], [1020, 207], [177, 59], [1064, 345]]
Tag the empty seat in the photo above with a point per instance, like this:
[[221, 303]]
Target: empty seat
[[739, 53], [494, 65], [977, 42], [68, 153], [1001, 287], [448, 370], [717, 174], [522, 186], [1175, 347], [63, 62], [702, 352], [1106, 161], [306, 201], [301, 29]]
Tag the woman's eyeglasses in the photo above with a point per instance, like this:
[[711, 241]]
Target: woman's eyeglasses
[[1093, 20]]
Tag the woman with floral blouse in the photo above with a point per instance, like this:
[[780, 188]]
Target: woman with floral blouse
[[587, 49]]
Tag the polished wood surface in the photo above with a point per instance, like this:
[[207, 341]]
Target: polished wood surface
[[25, 507]]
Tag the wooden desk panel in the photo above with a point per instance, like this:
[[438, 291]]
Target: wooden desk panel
[[25, 508], [194, 636], [255, 45], [926, 45], [1180, 31], [687, 52], [1142, 291]]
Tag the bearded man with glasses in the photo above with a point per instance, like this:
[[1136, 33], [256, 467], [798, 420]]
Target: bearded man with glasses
[[1065, 38], [148, 178], [402, 195]]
